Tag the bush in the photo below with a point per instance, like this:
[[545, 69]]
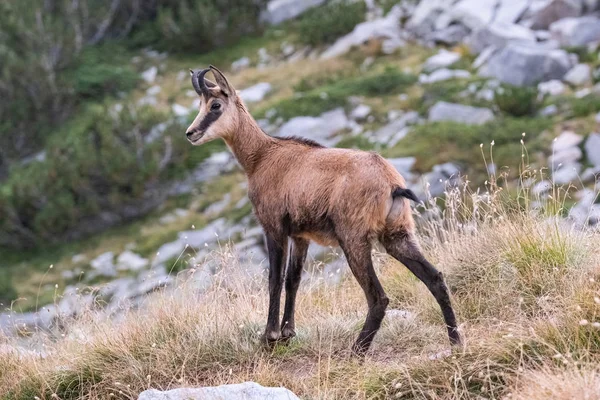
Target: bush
[[585, 106], [7, 290], [100, 165], [323, 25], [202, 25], [517, 101]]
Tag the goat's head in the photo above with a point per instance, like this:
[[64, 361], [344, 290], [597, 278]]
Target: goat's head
[[218, 110]]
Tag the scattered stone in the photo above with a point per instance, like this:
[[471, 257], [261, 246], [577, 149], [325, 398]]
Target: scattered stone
[[542, 188], [240, 64], [149, 75], [240, 391], [444, 74], [443, 111], [549, 110], [510, 11], [103, 264], [552, 87], [555, 10], [317, 128], [403, 165], [523, 65], [579, 75], [218, 207], [361, 112], [583, 92], [450, 35], [592, 149], [499, 35], [383, 28], [279, 11], [78, 258], [566, 173], [154, 90], [576, 31], [474, 14], [442, 59], [179, 110], [440, 177], [398, 126], [256, 93], [130, 261], [566, 140]]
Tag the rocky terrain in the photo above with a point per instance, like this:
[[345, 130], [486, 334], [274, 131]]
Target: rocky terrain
[[454, 93]]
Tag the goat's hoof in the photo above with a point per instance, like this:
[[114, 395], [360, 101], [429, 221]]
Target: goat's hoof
[[270, 338], [287, 334], [455, 339]]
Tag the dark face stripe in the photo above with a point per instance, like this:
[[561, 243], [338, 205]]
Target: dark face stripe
[[210, 118]]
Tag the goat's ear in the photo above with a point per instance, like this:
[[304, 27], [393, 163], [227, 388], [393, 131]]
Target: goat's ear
[[222, 82]]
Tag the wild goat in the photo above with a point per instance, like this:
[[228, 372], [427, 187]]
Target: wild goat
[[303, 191]]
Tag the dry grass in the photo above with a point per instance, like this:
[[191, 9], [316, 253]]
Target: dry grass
[[526, 289]]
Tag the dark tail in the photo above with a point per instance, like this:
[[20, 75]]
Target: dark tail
[[409, 194]]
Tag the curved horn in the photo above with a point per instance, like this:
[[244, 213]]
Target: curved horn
[[199, 84]]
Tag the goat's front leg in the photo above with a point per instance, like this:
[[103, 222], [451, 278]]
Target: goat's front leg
[[277, 248], [292, 282]]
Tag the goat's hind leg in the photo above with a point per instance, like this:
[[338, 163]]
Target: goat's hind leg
[[358, 256], [292, 283], [402, 246]]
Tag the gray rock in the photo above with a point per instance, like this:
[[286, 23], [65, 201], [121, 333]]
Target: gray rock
[[130, 261], [240, 64], [103, 264], [592, 149], [442, 176], [498, 34], [510, 11], [282, 10], [579, 75], [403, 165], [442, 59], [383, 28], [565, 141], [444, 74], [179, 110], [153, 91], [443, 111], [567, 173], [450, 35], [360, 112], [240, 391], [388, 132], [316, 128], [474, 14], [168, 251], [209, 234], [424, 16], [555, 10], [149, 75], [549, 110], [597, 118], [256, 93], [552, 87], [565, 157], [542, 188], [523, 65], [576, 31]]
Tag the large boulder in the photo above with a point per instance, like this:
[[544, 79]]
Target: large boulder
[[579, 75], [524, 65], [510, 11], [592, 149], [499, 34], [282, 10], [240, 391], [555, 10], [387, 28], [474, 14], [427, 12], [576, 31], [443, 111]]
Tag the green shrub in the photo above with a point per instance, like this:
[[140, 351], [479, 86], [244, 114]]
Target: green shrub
[[585, 106], [517, 101], [7, 290], [323, 25], [202, 25], [451, 91]]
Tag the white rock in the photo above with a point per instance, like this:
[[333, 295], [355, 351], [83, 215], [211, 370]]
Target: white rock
[[521, 65], [282, 10], [384, 28], [444, 74], [552, 87], [474, 14], [390, 131], [240, 64], [240, 391], [567, 173], [154, 90], [509, 11], [498, 34], [549, 110], [403, 165], [103, 264], [256, 93], [443, 111], [149, 75], [319, 128], [442, 176], [442, 59], [130, 261], [566, 140], [209, 234], [361, 112], [576, 31], [592, 149], [579, 75], [168, 251], [180, 110]]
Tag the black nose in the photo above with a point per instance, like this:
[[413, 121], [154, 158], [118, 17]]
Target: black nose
[[189, 133]]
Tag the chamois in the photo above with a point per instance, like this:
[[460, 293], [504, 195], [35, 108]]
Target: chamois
[[302, 191]]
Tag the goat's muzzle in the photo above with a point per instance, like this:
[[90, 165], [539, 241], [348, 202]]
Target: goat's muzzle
[[194, 135]]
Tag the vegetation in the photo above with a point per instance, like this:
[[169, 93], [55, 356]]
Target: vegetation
[[517, 101], [323, 25], [524, 333]]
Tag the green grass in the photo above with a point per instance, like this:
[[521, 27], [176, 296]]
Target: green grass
[[323, 25]]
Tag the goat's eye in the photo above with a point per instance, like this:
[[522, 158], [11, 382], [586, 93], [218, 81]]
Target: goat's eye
[[215, 106]]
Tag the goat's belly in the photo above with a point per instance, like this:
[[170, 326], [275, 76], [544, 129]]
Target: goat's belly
[[321, 238]]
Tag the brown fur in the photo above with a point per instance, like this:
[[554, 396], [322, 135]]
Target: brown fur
[[306, 192]]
